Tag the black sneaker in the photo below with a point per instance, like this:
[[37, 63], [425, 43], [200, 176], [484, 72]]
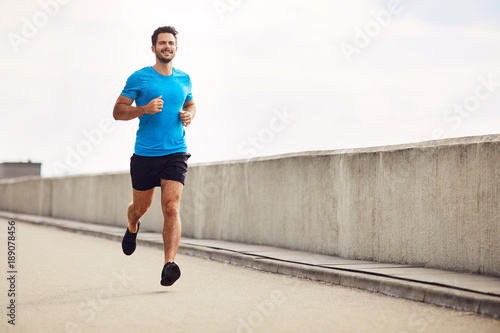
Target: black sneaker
[[129, 241], [170, 273]]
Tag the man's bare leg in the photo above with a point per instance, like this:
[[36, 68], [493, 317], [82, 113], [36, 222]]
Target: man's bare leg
[[171, 192], [141, 202]]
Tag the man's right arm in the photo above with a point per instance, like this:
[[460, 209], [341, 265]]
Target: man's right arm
[[124, 110]]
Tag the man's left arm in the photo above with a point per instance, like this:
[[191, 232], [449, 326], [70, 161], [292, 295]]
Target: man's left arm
[[188, 112]]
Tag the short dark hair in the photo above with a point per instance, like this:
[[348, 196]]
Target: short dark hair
[[167, 29]]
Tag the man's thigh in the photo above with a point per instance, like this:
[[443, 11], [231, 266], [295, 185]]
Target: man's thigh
[[171, 192], [143, 199]]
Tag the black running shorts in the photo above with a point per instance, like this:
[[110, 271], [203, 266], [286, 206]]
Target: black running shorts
[[147, 171]]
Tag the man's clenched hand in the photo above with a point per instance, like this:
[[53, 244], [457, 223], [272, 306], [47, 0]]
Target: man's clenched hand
[[155, 106]]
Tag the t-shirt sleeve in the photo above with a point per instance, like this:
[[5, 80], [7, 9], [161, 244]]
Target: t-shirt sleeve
[[189, 94], [132, 87]]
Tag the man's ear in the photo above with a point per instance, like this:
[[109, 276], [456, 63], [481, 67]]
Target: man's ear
[[153, 48]]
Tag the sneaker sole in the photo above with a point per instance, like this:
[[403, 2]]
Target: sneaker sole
[[171, 275]]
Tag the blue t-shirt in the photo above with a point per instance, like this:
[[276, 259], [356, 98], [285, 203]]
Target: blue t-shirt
[[161, 133]]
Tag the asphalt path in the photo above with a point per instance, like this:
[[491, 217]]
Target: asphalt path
[[68, 282]]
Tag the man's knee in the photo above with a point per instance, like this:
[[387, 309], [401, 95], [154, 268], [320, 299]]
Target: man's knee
[[139, 209], [170, 209]]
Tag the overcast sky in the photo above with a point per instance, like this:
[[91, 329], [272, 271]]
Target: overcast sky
[[269, 77]]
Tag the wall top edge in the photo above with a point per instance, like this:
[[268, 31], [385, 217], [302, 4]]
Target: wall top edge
[[18, 179], [32, 178], [97, 174], [469, 140]]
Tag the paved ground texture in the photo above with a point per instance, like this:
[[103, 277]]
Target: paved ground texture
[[68, 282]]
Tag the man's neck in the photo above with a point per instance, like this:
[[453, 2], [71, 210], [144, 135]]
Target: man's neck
[[163, 68]]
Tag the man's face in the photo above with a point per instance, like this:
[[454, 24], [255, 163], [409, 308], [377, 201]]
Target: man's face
[[166, 47]]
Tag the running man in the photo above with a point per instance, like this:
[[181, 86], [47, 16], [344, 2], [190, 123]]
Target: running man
[[164, 104]]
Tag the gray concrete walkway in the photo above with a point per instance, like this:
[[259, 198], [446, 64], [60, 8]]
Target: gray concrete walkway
[[68, 282], [465, 292]]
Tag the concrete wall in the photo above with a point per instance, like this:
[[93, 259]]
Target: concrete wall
[[29, 195], [99, 199], [433, 203]]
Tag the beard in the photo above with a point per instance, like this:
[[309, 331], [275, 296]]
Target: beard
[[162, 59]]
